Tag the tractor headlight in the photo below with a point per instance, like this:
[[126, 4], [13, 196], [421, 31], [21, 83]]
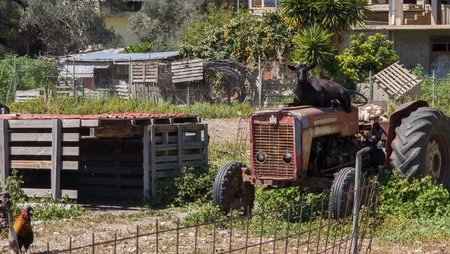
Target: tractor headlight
[[261, 157], [287, 157]]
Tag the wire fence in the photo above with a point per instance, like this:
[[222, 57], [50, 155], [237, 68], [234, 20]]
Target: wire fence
[[307, 226]]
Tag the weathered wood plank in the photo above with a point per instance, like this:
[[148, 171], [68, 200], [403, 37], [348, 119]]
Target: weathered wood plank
[[90, 123], [205, 144], [115, 132], [192, 127], [42, 137], [56, 158], [42, 164], [153, 161], [146, 160], [4, 152], [73, 194], [42, 151], [180, 147], [108, 192], [187, 79], [42, 123]]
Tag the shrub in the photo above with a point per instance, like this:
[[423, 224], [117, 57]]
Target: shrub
[[419, 198]]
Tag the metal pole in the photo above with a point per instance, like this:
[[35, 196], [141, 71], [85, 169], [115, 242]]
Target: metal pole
[[237, 6], [188, 95], [357, 197], [370, 86], [260, 81], [433, 89], [73, 76]]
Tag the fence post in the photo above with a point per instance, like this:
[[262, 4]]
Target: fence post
[[56, 158], [433, 89], [146, 160], [260, 81], [357, 197], [4, 151]]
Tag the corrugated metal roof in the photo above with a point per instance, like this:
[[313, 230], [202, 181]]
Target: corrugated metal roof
[[121, 57]]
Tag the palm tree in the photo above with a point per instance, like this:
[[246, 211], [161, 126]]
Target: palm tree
[[313, 44], [336, 16]]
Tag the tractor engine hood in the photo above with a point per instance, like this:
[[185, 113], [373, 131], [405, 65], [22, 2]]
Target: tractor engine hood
[[281, 138]]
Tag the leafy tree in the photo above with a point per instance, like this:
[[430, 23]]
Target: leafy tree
[[65, 26], [30, 73], [365, 54], [336, 16], [10, 13], [238, 36], [160, 22]]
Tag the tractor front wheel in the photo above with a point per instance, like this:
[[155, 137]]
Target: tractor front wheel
[[342, 193], [230, 192]]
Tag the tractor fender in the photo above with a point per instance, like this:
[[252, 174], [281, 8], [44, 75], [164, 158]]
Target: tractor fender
[[395, 120]]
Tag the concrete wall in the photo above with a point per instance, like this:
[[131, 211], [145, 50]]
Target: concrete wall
[[414, 47], [120, 25]]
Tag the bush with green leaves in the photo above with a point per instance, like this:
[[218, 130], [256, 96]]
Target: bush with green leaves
[[192, 185], [139, 48], [365, 54], [441, 90], [418, 198], [44, 208]]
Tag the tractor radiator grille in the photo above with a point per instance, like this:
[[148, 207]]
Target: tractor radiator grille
[[274, 141]]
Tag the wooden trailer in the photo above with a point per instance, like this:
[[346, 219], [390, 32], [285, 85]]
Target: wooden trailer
[[108, 155]]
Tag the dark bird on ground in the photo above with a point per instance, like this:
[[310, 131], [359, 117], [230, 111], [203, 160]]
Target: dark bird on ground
[[23, 229]]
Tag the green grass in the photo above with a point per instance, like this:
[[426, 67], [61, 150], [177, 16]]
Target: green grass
[[84, 106]]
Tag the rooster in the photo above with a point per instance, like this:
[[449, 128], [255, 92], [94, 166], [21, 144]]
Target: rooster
[[23, 229]]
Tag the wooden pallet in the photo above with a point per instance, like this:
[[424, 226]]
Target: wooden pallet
[[100, 157]]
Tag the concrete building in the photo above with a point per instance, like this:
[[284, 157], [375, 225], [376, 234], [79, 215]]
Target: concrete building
[[420, 31]]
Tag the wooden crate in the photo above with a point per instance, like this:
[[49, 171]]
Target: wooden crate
[[100, 157]]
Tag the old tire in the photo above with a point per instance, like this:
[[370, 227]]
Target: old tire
[[230, 192], [422, 145], [342, 191]]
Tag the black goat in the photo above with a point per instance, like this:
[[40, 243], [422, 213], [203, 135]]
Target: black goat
[[319, 92], [4, 109]]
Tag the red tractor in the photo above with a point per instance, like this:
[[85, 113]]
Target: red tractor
[[316, 147]]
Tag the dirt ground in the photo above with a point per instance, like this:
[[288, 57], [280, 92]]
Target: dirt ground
[[107, 221]]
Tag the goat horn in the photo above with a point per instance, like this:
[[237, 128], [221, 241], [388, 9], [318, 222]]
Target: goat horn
[[311, 66]]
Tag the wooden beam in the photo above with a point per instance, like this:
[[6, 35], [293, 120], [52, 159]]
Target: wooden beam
[[56, 159], [42, 164], [73, 194], [42, 137], [115, 132], [205, 144], [4, 152], [42, 123], [180, 147], [153, 160], [146, 160], [42, 151]]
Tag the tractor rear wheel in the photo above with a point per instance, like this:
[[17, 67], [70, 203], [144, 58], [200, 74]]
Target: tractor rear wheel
[[230, 192], [422, 145]]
